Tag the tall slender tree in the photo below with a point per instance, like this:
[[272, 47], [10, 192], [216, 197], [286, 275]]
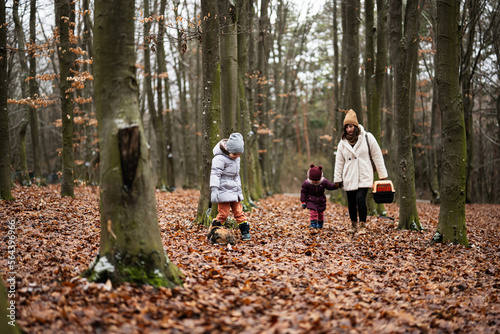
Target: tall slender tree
[[186, 133], [264, 131], [229, 67], [65, 19], [451, 226], [408, 215], [352, 53], [5, 182], [211, 103], [33, 89], [163, 75], [23, 76], [131, 248]]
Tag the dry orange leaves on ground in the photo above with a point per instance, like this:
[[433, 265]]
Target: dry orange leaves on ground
[[287, 279]]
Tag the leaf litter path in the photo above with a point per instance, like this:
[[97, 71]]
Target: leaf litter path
[[287, 279]]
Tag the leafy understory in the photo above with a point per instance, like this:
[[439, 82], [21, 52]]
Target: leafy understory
[[287, 279]]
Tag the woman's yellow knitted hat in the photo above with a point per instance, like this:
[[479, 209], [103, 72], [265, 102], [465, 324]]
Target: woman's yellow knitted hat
[[350, 118]]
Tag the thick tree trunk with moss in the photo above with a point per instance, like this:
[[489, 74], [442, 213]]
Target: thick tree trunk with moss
[[408, 215], [22, 167], [131, 249], [5, 182], [65, 18], [211, 105], [451, 226]]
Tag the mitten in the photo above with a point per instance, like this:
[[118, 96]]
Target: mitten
[[304, 205], [214, 197]]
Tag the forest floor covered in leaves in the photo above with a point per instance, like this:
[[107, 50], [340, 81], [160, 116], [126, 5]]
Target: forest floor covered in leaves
[[287, 279]]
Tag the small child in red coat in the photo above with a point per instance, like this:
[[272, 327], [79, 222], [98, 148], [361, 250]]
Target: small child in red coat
[[313, 196]]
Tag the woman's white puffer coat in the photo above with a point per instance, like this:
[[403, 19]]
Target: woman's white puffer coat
[[352, 164]]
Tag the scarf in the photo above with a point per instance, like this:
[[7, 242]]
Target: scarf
[[352, 139]]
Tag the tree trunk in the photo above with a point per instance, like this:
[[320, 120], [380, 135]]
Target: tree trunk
[[167, 120], [162, 182], [434, 144], [88, 92], [451, 226], [255, 172], [466, 77], [131, 248], [369, 63], [5, 178], [65, 18], [185, 115], [337, 126], [33, 88], [228, 67], [243, 8], [211, 105], [352, 51], [408, 215], [375, 112], [264, 131], [22, 167]]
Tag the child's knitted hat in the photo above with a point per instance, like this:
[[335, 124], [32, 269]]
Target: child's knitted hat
[[235, 143], [315, 173]]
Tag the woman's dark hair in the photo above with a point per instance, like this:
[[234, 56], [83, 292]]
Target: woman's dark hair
[[355, 133]]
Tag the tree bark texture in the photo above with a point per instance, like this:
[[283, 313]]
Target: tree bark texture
[[408, 215], [22, 167], [352, 51], [211, 105], [65, 18], [33, 89], [229, 67], [167, 120], [131, 248], [264, 131], [5, 178], [187, 130], [243, 20], [451, 226]]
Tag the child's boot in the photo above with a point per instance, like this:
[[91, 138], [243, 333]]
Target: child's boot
[[320, 223], [354, 227], [314, 223], [245, 230], [362, 228]]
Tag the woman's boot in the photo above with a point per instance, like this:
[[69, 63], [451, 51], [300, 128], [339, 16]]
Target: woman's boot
[[354, 227], [362, 228]]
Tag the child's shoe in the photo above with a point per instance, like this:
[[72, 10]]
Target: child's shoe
[[320, 223], [314, 223], [245, 231]]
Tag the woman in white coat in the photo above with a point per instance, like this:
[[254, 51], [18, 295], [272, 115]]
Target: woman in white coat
[[354, 170]]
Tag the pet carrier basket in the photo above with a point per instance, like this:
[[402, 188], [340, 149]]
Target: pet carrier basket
[[383, 191]]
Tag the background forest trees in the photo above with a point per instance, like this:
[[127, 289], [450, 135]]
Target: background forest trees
[[302, 68]]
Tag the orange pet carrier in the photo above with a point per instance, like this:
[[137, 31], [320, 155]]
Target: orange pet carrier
[[383, 191]]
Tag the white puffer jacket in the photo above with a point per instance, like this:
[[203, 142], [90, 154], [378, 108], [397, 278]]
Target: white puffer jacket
[[225, 175], [352, 164]]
